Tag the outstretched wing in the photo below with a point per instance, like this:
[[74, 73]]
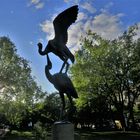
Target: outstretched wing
[[62, 22]]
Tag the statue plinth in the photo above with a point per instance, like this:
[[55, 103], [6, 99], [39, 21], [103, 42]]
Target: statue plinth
[[63, 131]]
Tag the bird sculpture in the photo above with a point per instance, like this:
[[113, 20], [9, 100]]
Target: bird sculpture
[[58, 44], [62, 83]]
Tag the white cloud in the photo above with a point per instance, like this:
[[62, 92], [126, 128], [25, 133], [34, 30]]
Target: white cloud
[[105, 24], [110, 4], [107, 6], [35, 1], [40, 40], [47, 27], [31, 43], [38, 4], [72, 1], [74, 34], [88, 7], [81, 16]]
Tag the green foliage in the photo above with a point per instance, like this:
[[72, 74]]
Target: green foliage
[[40, 131], [108, 69], [22, 134], [18, 90], [51, 108]]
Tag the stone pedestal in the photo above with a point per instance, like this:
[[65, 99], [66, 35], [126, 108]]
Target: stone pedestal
[[63, 131]]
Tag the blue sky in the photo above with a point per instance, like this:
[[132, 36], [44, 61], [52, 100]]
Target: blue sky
[[27, 22]]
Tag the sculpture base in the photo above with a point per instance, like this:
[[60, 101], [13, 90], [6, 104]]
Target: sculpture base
[[63, 131]]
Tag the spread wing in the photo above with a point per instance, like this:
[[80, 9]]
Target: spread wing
[[62, 22]]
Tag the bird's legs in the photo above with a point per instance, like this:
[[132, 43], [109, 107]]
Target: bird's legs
[[63, 105], [67, 66], [72, 109], [70, 99]]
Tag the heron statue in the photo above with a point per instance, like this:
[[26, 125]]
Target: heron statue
[[62, 83], [58, 44]]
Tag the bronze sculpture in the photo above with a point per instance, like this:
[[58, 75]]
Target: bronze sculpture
[[62, 83], [60, 80], [58, 44]]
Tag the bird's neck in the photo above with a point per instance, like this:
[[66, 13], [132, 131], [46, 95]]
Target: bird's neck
[[48, 75], [42, 52]]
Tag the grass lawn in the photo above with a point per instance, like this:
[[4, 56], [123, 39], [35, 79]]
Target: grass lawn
[[16, 135], [113, 135], [80, 135]]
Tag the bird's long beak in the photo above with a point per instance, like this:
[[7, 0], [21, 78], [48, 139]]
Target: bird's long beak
[[49, 63]]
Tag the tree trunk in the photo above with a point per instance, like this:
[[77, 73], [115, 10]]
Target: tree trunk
[[131, 117]]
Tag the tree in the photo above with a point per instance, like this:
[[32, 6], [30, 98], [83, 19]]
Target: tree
[[86, 75], [109, 69], [18, 89]]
